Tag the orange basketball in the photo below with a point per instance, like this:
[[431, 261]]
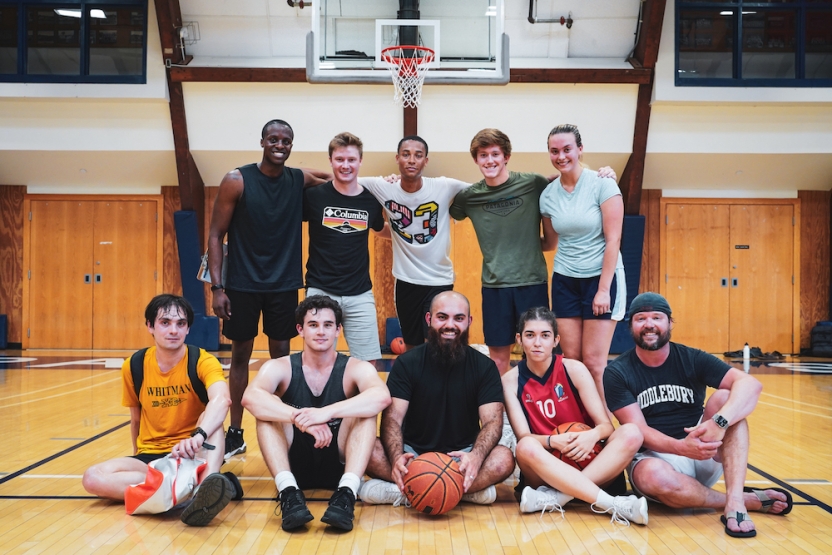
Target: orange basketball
[[576, 427], [433, 483], [397, 345]]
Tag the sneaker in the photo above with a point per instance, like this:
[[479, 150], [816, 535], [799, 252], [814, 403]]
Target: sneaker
[[485, 496], [341, 510], [238, 489], [508, 438], [293, 508], [213, 494], [543, 499], [626, 509], [234, 442], [380, 492]]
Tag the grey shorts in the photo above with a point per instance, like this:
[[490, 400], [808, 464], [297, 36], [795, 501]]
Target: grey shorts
[[360, 323], [705, 472]]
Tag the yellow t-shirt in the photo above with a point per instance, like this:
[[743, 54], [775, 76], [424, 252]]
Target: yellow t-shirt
[[170, 407]]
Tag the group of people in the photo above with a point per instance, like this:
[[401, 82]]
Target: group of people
[[316, 411]]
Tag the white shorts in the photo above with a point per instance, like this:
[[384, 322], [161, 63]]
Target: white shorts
[[705, 472], [360, 323]]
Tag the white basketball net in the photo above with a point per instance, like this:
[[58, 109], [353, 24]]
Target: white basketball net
[[407, 65]]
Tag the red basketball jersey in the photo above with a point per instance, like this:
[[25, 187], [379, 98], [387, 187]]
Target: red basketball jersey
[[551, 400]]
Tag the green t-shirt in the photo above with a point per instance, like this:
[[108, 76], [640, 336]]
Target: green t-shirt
[[506, 220]]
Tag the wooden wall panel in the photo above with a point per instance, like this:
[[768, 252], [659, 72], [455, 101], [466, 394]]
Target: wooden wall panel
[[11, 259], [383, 283], [650, 209], [171, 280], [814, 261]]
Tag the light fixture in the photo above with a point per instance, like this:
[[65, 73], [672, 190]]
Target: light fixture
[[97, 14], [729, 12], [491, 11]]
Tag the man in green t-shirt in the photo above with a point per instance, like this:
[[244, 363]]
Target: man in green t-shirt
[[505, 210]]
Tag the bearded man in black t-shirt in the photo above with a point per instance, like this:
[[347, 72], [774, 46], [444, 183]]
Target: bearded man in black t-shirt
[[688, 443], [441, 391]]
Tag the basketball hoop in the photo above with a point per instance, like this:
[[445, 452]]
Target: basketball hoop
[[407, 65]]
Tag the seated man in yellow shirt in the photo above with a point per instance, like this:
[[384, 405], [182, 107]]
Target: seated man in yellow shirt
[[167, 415]]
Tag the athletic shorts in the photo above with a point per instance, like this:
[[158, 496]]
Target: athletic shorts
[[147, 458], [316, 468], [278, 315], [360, 324], [502, 307], [412, 303], [572, 297], [705, 472]]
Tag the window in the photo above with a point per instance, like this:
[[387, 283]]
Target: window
[[73, 42], [774, 43]]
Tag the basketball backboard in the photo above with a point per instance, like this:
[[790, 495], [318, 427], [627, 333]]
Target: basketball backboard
[[347, 37]]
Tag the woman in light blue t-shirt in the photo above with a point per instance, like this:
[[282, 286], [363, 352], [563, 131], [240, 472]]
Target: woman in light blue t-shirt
[[588, 290]]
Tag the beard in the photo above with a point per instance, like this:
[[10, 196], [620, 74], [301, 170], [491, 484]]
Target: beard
[[661, 340], [446, 352]]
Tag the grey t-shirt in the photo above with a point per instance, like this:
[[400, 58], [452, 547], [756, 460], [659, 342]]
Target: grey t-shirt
[[577, 219], [506, 219]]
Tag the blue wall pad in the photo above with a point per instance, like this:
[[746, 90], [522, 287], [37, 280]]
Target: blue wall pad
[[632, 249], [392, 330], [3, 330], [205, 331]]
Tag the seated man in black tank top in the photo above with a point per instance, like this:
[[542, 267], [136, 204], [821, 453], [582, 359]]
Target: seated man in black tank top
[[316, 417]]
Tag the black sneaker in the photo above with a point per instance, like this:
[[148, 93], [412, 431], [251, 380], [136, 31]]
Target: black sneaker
[[234, 442], [213, 495], [293, 508], [341, 510], [238, 489]]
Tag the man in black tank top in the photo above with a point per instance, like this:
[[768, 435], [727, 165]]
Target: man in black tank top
[[259, 206], [316, 417]]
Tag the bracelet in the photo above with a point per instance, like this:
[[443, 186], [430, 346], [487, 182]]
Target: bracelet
[[201, 432], [549, 442], [215, 287]]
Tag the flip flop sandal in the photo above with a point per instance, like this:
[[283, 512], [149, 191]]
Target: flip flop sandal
[[768, 502], [739, 517]]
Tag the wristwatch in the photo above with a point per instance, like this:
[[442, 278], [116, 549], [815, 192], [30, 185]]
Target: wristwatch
[[720, 421], [215, 287], [201, 432]]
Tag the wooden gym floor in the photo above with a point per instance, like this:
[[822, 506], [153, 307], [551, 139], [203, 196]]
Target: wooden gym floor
[[60, 413]]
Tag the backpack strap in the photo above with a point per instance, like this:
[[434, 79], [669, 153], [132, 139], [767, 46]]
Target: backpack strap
[[196, 383], [137, 370]]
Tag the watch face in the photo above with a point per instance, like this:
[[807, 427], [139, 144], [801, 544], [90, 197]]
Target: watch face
[[720, 421]]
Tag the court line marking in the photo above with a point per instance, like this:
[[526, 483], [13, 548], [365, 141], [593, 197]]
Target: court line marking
[[58, 394], [814, 500], [822, 407], [792, 409], [42, 462], [47, 388]]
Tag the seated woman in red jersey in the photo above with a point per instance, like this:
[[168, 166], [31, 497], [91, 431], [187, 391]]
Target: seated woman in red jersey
[[546, 390]]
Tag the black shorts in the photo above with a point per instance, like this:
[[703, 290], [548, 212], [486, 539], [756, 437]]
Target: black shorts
[[412, 303], [147, 458], [316, 468], [278, 315], [502, 307]]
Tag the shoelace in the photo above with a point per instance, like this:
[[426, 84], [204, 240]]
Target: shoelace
[[617, 517], [550, 507], [402, 500]]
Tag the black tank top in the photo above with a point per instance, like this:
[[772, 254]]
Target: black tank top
[[264, 236], [299, 395]]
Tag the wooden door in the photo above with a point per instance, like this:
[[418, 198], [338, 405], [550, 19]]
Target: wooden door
[[125, 275], [696, 280], [60, 288], [761, 265]]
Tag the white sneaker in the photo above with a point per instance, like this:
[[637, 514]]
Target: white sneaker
[[380, 492], [508, 438], [486, 496], [542, 499], [626, 509]]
